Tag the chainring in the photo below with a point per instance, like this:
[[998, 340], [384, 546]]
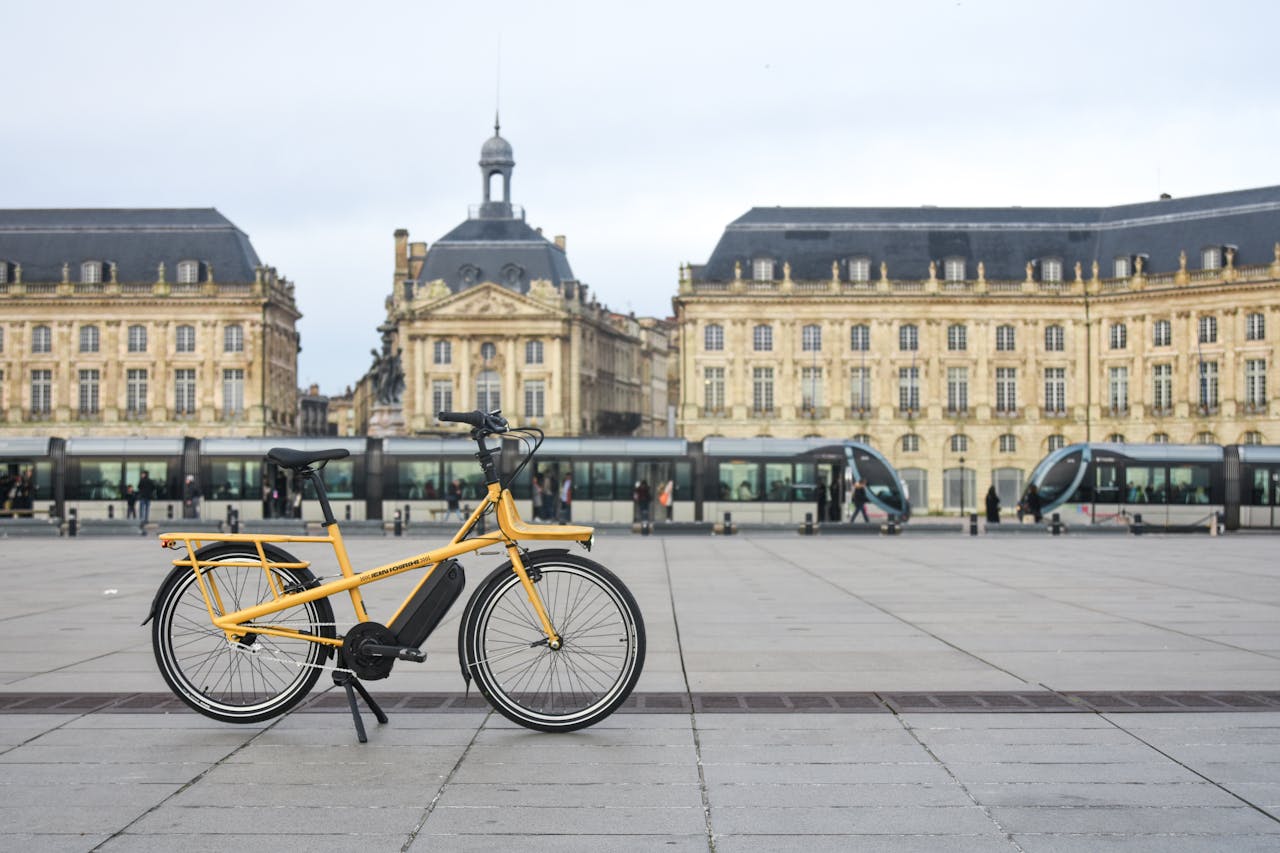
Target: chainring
[[366, 666]]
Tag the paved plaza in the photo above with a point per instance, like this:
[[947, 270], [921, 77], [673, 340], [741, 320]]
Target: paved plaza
[[800, 693]]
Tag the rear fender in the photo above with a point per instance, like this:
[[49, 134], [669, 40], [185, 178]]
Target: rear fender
[[212, 552]]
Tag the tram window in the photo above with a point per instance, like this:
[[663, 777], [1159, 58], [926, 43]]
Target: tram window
[[879, 480], [803, 482], [625, 482], [1261, 495], [739, 481], [465, 472], [777, 479], [418, 481], [1189, 484], [339, 480], [600, 478], [550, 470], [100, 480], [1145, 484], [229, 479], [1106, 486]]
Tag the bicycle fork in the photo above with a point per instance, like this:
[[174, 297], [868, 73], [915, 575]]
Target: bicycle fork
[[535, 598]]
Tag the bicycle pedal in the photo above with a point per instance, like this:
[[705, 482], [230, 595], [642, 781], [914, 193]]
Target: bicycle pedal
[[408, 653]]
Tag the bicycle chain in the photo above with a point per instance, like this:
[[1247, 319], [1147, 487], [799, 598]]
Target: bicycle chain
[[262, 652]]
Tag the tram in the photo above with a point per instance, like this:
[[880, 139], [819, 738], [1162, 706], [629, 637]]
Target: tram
[[767, 480], [1171, 486]]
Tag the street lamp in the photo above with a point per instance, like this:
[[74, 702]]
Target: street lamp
[[962, 495]]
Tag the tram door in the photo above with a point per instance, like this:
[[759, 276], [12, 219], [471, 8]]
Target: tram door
[[833, 481], [275, 491], [1260, 497], [654, 476]]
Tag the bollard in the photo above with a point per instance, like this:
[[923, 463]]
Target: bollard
[[1215, 523], [1055, 525], [891, 526], [973, 524], [406, 515], [170, 508], [807, 530], [644, 528], [1136, 527], [348, 513], [399, 525], [72, 522], [235, 521], [111, 510]]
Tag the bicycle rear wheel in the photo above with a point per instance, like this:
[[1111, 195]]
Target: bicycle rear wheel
[[252, 680], [560, 690]]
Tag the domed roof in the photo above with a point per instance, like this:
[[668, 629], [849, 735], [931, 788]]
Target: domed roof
[[496, 151]]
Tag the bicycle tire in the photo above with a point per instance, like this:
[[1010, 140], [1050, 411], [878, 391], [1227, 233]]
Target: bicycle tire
[[595, 669], [238, 683]]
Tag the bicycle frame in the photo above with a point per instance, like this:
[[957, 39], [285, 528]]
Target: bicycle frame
[[511, 530]]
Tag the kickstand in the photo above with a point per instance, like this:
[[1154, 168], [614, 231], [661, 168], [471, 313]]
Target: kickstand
[[353, 686]]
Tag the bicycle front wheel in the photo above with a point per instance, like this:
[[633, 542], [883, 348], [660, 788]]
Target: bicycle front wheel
[[245, 681], [555, 690]]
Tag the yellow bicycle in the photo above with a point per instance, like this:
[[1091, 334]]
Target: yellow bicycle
[[242, 630]]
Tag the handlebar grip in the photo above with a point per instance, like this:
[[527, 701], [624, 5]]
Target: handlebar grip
[[471, 419]]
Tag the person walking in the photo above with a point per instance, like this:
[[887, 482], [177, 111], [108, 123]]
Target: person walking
[[1031, 503], [146, 491], [537, 497], [860, 501], [667, 497], [130, 502], [566, 497], [191, 497], [993, 506], [644, 499], [822, 498]]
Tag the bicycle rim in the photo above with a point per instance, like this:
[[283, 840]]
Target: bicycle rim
[[577, 685], [238, 682]]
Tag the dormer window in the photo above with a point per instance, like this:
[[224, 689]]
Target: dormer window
[[762, 269], [4, 272], [488, 351], [860, 268], [188, 272], [1211, 258], [1051, 270], [91, 272], [1121, 267], [953, 269]]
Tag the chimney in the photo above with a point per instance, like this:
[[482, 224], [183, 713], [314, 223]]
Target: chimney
[[402, 254], [560, 242], [417, 254]]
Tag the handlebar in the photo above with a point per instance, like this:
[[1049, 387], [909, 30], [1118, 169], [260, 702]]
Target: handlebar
[[487, 423]]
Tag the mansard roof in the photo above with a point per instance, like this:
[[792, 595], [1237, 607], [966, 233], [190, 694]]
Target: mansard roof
[[136, 240], [1003, 238], [506, 251]]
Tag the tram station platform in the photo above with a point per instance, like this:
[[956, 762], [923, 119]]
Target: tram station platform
[[816, 693]]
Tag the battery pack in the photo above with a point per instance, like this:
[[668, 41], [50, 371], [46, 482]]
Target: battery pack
[[429, 604]]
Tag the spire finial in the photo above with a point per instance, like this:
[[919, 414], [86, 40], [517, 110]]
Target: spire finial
[[497, 125]]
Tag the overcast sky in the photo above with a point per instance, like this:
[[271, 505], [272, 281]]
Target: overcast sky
[[639, 130]]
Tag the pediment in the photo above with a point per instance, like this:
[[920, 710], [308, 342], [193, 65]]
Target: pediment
[[486, 300]]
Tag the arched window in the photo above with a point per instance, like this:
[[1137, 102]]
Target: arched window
[[233, 338], [1251, 437], [1056, 442], [959, 443], [862, 438], [137, 338], [1205, 438], [533, 352], [713, 337], [41, 339], [1160, 438], [1116, 438], [185, 339], [1008, 443], [911, 443], [89, 339], [488, 391]]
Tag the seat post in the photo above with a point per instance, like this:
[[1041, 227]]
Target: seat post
[[321, 495]]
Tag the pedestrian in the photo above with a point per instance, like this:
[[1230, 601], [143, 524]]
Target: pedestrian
[[860, 501], [834, 508], [537, 497], [191, 498], [566, 497], [993, 506], [822, 498], [644, 499], [667, 497], [146, 491], [130, 502], [1032, 503], [453, 499]]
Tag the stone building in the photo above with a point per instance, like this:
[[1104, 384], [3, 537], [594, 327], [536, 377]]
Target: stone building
[[967, 343], [142, 322], [491, 316]]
